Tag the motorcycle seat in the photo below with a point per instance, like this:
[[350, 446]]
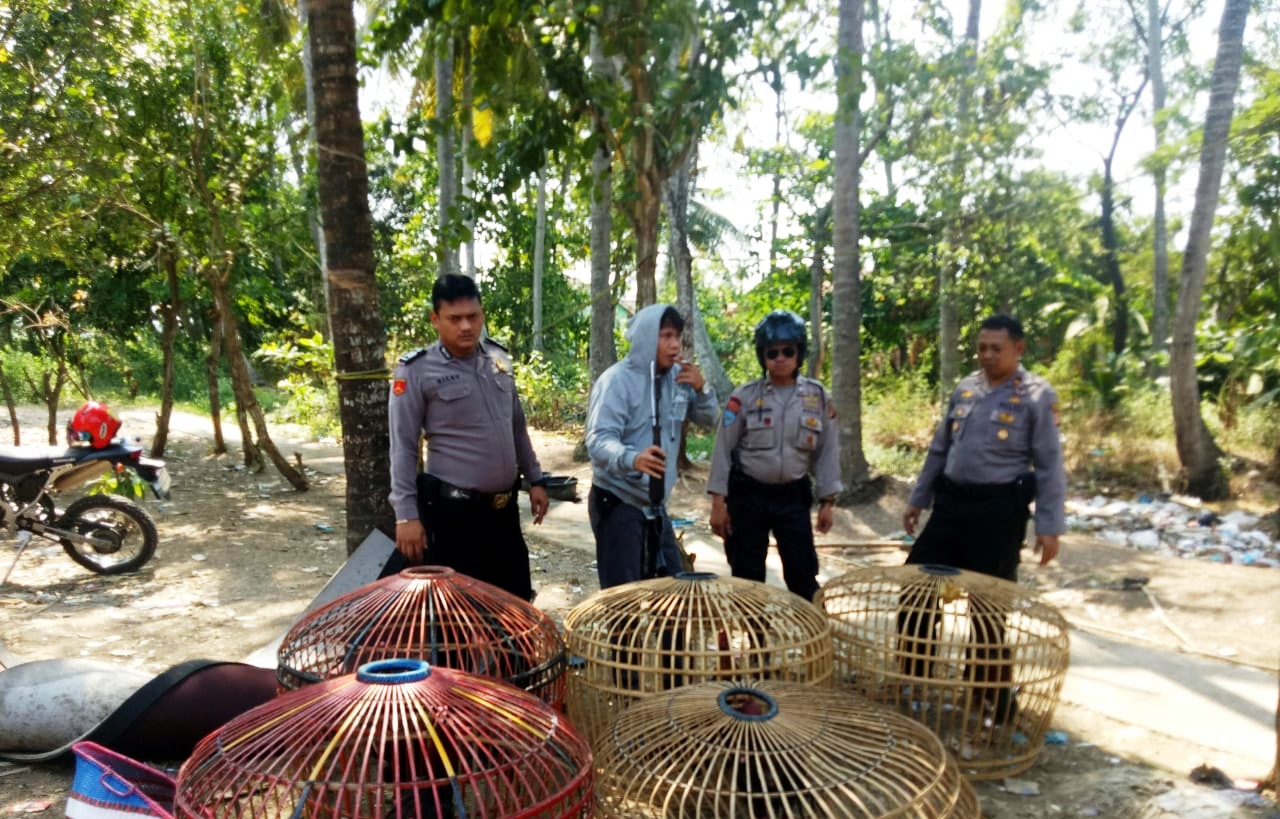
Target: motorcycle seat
[[33, 458]]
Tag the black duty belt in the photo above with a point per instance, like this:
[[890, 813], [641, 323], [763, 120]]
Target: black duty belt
[[976, 492], [489, 500], [743, 483]]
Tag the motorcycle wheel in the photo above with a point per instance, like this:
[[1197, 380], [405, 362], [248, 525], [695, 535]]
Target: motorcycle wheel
[[125, 534]]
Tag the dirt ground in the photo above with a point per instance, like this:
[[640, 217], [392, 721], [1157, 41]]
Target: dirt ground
[[241, 554]]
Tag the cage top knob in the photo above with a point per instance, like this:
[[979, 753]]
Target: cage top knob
[[748, 704], [393, 672]]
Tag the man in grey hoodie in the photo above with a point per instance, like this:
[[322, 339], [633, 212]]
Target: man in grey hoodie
[[634, 420]]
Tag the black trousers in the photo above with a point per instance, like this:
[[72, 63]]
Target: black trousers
[[755, 510], [621, 531], [472, 538], [980, 529]]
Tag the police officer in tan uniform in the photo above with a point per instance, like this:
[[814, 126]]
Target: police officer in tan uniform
[[459, 393], [996, 450], [774, 432]]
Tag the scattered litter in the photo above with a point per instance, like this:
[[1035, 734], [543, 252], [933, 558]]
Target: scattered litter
[[1177, 527], [1055, 738], [32, 806], [199, 557], [310, 569], [1199, 803], [324, 527], [1022, 787]]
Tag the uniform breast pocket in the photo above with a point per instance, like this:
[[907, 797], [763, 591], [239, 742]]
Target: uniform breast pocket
[[761, 432], [808, 432], [1008, 428], [957, 417], [458, 405], [505, 382]]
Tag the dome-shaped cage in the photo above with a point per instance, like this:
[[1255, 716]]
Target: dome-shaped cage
[[398, 739], [650, 636], [774, 749], [977, 659], [434, 614]]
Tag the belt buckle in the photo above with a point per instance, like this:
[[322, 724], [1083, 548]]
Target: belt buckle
[[500, 501]]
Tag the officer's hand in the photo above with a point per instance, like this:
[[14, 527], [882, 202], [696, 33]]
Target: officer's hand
[[826, 518], [538, 503], [1047, 548], [411, 539], [652, 462], [911, 519], [690, 374], [720, 525]]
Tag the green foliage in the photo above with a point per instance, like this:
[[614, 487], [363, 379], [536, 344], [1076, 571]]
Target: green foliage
[[897, 423], [553, 397], [699, 443], [119, 481], [23, 370], [1127, 447], [304, 365]]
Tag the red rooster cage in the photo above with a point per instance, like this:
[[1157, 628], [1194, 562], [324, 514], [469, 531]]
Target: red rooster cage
[[398, 739], [434, 614]]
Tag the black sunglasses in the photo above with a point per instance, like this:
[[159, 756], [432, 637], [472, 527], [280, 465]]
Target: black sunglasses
[[785, 352]]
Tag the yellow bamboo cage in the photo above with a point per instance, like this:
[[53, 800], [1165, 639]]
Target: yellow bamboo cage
[[773, 749], [977, 659], [648, 637]]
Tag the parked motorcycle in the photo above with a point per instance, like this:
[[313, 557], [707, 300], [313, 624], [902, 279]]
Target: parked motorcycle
[[107, 534]]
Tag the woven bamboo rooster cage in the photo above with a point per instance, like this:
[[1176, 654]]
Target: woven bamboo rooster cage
[[643, 638], [977, 659], [434, 614], [398, 739], [774, 749]]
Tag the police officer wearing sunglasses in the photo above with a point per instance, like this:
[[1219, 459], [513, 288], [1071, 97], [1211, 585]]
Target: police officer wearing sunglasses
[[774, 433]]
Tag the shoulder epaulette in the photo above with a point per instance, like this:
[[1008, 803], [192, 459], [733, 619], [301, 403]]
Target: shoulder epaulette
[[488, 340], [412, 354]]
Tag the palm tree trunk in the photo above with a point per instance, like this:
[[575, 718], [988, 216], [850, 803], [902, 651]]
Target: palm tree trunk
[[846, 280], [347, 258], [948, 272], [603, 352], [1159, 224], [1202, 474], [446, 160], [539, 252]]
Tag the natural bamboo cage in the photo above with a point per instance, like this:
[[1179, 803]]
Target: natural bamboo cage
[[977, 659], [774, 749], [643, 638], [396, 740], [434, 614]]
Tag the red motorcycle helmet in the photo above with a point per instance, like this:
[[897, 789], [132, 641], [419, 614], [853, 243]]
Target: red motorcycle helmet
[[92, 423]]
